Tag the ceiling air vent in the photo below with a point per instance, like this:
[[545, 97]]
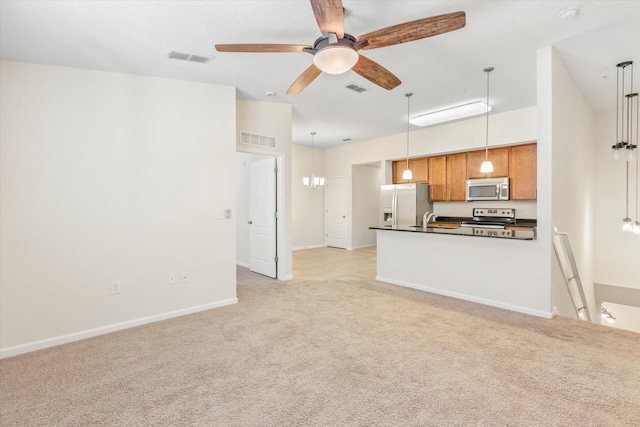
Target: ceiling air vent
[[259, 140], [354, 87], [189, 57]]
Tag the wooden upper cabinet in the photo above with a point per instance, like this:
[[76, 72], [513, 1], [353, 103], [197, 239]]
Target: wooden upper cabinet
[[498, 156], [398, 167], [456, 177], [523, 172], [419, 169], [438, 178]]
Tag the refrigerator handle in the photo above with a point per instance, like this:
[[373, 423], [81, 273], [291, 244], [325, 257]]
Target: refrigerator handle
[[394, 206]]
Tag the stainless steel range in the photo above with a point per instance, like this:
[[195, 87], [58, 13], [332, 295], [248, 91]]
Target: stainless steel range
[[491, 222]]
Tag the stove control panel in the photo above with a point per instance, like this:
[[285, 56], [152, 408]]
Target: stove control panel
[[492, 232], [494, 212]]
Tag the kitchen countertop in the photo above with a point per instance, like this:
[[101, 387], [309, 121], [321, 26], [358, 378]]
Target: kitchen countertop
[[518, 232]]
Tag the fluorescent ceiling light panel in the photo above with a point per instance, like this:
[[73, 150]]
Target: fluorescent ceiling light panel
[[448, 114]]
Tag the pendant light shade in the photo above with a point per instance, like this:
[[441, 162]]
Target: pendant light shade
[[313, 181], [487, 166], [407, 175]]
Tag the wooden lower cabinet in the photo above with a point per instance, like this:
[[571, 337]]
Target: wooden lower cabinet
[[523, 172], [447, 176], [418, 167], [498, 156]]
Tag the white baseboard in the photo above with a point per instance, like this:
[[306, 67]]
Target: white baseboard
[[471, 298], [242, 264], [299, 248], [361, 247], [77, 336]]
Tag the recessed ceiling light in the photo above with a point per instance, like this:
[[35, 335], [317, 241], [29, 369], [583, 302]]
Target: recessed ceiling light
[[270, 93], [569, 13]]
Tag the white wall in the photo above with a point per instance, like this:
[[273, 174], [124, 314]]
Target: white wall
[[365, 204], [573, 164], [307, 203], [273, 120], [109, 177], [498, 272], [243, 160], [616, 259]]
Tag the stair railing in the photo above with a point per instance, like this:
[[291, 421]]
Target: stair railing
[[562, 247]]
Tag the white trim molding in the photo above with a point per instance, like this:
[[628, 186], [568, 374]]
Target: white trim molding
[[77, 336]]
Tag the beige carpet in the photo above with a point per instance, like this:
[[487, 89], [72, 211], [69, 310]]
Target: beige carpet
[[333, 353]]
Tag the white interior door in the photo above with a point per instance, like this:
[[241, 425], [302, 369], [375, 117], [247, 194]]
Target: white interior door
[[335, 202], [263, 217]]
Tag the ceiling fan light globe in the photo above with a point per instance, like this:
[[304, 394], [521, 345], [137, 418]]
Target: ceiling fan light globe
[[486, 166], [336, 59]]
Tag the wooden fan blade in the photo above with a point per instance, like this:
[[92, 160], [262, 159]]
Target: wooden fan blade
[[414, 30], [261, 47], [375, 73], [329, 16], [304, 80]]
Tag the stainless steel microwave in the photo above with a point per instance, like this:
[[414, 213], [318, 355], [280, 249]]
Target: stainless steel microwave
[[487, 189]]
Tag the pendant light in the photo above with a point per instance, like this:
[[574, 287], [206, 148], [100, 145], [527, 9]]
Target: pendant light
[[636, 225], [487, 166], [407, 172], [313, 181], [624, 149]]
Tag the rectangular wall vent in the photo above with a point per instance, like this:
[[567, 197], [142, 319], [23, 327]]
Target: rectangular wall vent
[[259, 140], [189, 57], [354, 87]]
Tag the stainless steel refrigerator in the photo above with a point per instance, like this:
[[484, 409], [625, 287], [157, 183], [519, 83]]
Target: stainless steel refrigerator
[[404, 204]]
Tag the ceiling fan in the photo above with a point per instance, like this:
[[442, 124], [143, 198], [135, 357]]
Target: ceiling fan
[[336, 52]]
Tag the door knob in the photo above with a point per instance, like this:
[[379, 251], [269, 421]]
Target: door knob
[[344, 216], [250, 222]]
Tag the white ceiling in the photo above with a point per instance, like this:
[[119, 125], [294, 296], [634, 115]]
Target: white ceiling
[[133, 37]]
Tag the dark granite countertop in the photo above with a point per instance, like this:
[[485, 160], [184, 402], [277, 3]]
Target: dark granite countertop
[[466, 231]]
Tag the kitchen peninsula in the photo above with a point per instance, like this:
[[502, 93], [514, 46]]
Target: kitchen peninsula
[[456, 263]]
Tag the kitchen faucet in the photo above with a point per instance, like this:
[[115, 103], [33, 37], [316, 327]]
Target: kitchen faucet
[[426, 218]]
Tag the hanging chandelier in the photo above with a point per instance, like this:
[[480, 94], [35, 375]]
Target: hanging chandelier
[[624, 148], [313, 181], [626, 132]]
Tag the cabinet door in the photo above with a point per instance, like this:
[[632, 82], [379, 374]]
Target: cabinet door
[[438, 178], [500, 159], [498, 156], [456, 177], [419, 168], [398, 167], [523, 172], [474, 161]]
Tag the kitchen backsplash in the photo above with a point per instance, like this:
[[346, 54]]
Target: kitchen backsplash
[[524, 209]]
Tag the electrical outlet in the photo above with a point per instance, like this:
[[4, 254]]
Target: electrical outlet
[[115, 287], [172, 278], [184, 278]]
